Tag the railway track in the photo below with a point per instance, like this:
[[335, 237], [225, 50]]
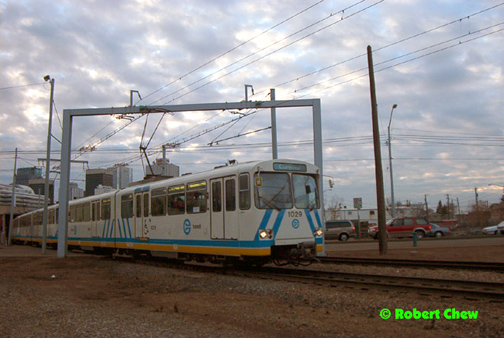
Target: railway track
[[486, 266], [472, 290], [445, 288]]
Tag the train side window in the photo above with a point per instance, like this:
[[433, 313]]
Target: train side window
[[37, 218], [56, 215], [231, 195], [158, 202], [146, 205], [138, 206], [95, 211], [127, 206], [72, 213], [216, 196], [176, 200], [244, 194], [78, 213], [86, 212], [105, 209], [196, 197], [50, 217]]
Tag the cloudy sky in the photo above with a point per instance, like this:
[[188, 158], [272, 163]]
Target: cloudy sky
[[440, 61]]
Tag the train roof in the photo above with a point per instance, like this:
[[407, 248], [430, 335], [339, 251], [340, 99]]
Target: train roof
[[222, 171], [225, 170]]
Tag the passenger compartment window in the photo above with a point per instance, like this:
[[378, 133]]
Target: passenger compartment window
[[231, 195], [138, 206], [244, 194], [274, 192], [196, 197], [86, 212], [127, 206], [78, 213], [216, 196], [176, 200], [146, 205], [305, 191], [37, 218], [105, 209], [73, 213], [158, 202]]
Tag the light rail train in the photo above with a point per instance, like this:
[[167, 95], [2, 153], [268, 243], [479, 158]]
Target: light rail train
[[255, 212]]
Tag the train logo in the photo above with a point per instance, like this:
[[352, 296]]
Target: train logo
[[295, 223], [187, 226]]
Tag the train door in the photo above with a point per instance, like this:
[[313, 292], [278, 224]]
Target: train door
[[95, 217], [141, 214], [223, 217], [230, 212], [216, 212]]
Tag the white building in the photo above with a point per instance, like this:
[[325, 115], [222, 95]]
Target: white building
[[122, 176], [75, 191], [100, 189], [172, 170]]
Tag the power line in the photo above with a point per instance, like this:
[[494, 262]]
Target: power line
[[270, 53], [383, 47], [21, 86], [232, 49], [396, 64]]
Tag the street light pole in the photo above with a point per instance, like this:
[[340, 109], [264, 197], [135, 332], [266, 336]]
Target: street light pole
[[390, 164], [48, 169]]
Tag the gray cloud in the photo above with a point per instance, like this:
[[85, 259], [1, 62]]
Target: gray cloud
[[99, 51]]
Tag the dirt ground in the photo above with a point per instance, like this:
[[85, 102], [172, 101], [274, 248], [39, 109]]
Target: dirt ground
[[92, 296]]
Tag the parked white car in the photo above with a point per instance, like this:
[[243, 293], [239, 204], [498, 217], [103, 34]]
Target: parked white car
[[494, 230]]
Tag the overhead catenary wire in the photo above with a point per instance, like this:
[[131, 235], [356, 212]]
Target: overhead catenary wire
[[383, 47], [416, 35], [231, 50], [396, 64], [270, 53]]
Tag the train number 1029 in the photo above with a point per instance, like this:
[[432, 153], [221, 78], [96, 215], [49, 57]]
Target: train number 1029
[[295, 214]]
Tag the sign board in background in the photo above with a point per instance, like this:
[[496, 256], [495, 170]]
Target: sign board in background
[[357, 203]]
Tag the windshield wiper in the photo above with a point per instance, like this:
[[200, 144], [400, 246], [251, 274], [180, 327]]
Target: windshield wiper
[[269, 204]]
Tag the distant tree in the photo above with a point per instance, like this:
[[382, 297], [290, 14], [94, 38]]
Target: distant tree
[[333, 207], [442, 209], [417, 209]]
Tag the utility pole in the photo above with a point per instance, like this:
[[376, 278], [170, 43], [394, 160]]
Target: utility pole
[[164, 160], [448, 205], [380, 193], [274, 144], [48, 166], [13, 200], [426, 207], [390, 163]]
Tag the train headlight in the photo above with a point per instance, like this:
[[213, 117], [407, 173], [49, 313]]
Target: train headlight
[[265, 233], [318, 232]]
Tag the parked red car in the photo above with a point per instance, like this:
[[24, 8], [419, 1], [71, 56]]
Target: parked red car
[[404, 227]]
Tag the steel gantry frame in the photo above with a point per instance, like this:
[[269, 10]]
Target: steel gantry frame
[[69, 114]]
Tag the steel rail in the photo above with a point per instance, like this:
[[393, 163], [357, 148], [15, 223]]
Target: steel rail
[[487, 266], [466, 289]]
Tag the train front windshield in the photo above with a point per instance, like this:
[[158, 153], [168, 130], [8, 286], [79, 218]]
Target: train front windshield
[[282, 191]]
